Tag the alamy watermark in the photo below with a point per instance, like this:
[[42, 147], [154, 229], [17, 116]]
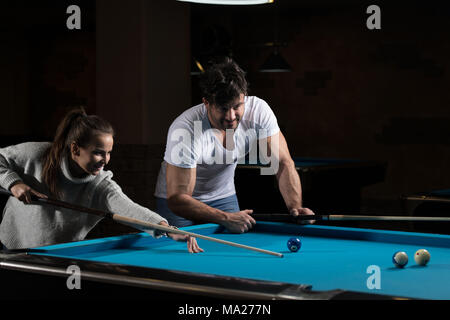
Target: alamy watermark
[[374, 20], [374, 280], [74, 279], [74, 20]]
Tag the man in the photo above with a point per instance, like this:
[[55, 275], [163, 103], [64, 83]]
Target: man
[[204, 144]]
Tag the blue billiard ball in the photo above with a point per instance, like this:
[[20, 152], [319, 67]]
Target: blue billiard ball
[[400, 259], [294, 244]]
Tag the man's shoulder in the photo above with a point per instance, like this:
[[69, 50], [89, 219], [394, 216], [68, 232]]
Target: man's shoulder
[[197, 112], [256, 108], [254, 101], [189, 116]]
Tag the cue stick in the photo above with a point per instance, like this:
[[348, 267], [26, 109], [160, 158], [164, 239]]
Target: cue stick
[[132, 221], [344, 217], [135, 222]]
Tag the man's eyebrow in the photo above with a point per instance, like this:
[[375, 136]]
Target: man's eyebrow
[[101, 149], [236, 105]]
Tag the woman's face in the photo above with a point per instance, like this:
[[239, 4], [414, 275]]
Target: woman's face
[[92, 158]]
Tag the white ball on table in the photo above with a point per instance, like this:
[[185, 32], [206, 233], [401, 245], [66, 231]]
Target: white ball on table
[[422, 256]]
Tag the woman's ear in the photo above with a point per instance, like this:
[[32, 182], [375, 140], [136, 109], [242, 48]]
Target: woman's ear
[[74, 149]]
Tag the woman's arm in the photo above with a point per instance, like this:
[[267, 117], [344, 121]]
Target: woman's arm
[[11, 164], [116, 201], [8, 175]]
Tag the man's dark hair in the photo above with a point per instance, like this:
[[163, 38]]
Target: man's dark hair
[[222, 82]]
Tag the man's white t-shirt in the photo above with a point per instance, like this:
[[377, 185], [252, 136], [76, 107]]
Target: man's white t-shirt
[[192, 143]]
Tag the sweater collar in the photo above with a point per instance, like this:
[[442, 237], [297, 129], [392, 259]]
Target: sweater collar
[[66, 172]]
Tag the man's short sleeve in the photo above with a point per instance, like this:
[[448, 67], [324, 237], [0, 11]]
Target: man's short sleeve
[[266, 120], [182, 149]]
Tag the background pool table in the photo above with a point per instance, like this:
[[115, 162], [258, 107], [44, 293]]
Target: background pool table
[[435, 203], [331, 264], [327, 184]]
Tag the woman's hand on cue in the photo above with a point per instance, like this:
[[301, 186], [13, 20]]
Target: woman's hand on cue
[[191, 241], [24, 193]]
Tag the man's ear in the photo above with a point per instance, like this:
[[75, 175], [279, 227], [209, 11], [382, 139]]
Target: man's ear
[[74, 149]]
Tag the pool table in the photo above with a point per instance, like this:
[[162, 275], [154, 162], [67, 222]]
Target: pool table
[[430, 203], [333, 263], [328, 184]]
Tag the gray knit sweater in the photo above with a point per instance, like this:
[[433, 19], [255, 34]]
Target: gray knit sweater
[[32, 225]]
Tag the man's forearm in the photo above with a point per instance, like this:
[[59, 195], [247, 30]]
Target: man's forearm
[[187, 207], [290, 185]]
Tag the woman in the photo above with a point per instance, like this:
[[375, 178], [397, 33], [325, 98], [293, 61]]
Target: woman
[[69, 169]]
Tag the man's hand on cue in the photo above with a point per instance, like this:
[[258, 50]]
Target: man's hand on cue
[[302, 211], [239, 222]]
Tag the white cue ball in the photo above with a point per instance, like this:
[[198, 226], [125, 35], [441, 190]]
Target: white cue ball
[[422, 257]]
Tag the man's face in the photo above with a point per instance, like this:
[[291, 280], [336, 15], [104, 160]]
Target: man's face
[[228, 116]]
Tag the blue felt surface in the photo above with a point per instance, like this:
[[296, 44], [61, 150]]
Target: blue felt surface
[[330, 257]]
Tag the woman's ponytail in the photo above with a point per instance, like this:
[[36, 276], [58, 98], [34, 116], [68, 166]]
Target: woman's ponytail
[[76, 127]]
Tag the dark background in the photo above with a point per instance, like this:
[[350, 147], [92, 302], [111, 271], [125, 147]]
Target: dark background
[[353, 92]]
